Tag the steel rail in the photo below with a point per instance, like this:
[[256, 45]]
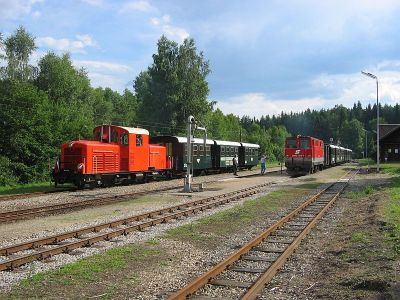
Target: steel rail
[[204, 279], [183, 210], [259, 285], [14, 215], [76, 233], [10, 197]]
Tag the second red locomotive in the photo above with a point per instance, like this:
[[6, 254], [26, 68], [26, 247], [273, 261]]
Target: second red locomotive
[[306, 154]]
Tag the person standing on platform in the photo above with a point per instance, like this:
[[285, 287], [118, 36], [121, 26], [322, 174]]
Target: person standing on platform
[[263, 161], [235, 165]]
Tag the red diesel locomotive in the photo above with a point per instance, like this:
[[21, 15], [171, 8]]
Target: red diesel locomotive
[[303, 154], [117, 155], [306, 154]]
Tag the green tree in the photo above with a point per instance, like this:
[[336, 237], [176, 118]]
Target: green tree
[[18, 48], [352, 135], [174, 86], [25, 130], [71, 96]]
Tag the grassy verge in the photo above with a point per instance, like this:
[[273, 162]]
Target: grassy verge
[[390, 208], [90, 276], [28, 188], [391, 213], [208, 231]]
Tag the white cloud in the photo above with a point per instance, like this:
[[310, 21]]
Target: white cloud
[[142, 6], [258, 104], [106, 74], [94, 2], [348, 88], [172, 32], [330, 90], [103, 80], [64, 44], [102, 65], [16, 8], [36, 14]]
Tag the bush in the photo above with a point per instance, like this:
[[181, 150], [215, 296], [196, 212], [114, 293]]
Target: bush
[[7, 176]]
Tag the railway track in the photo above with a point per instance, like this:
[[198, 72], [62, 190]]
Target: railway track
[[20, 214], [246, 271], [34, 194], [39, 249]]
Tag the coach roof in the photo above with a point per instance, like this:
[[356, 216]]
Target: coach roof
[[195, 140], [248, 145], [226, 143]]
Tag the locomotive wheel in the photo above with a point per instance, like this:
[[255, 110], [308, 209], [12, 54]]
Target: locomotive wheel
[[81, 184]]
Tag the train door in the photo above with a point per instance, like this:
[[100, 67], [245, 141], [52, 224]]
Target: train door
[[124, 142]]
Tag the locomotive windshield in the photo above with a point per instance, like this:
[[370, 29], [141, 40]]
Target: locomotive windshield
[[291, 144], [304, 144]]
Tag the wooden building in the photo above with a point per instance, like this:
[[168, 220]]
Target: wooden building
[[389, 141]]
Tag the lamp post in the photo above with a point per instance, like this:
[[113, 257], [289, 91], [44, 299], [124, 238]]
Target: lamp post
[[366, 146], [377, 116]]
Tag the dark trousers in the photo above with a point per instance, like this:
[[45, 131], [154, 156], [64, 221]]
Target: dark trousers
[[235, 169]]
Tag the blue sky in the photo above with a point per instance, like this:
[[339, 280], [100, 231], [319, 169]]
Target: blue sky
[[265, 56]]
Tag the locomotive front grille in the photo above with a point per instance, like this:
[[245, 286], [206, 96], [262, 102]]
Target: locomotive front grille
[[72, 158]]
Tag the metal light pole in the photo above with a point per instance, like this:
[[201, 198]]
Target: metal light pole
[[377, 116], [366, 146], [191, 126]]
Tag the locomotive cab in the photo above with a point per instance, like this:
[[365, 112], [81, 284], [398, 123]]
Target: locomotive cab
[[303, 155]]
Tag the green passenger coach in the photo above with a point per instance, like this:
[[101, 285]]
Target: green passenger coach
[[248, 155], [223, 153], [177, 151], [211, 156]]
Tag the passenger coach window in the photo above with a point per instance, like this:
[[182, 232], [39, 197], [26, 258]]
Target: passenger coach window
[[222, 149], [124, 139], [208, 148], [195, 150], [304, 144]]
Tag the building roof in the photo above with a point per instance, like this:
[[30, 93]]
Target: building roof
[[386, 129]]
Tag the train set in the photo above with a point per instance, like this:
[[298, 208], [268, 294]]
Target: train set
[[306, 154], [123, 155]]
